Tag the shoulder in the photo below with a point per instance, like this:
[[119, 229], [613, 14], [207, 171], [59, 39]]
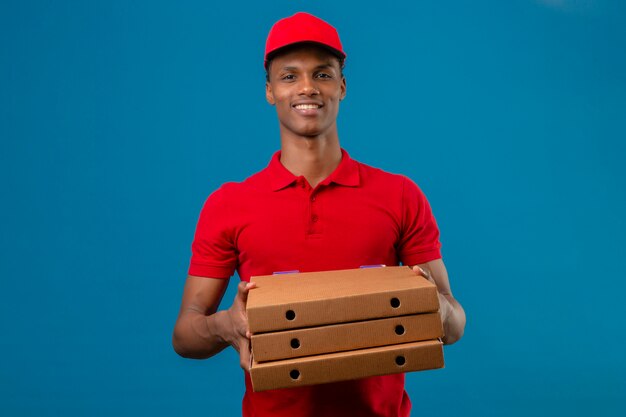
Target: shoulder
[[235, 191], [381, 178], [398, 190], [226, 192]]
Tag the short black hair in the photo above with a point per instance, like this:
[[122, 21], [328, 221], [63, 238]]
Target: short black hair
[[290, 48]]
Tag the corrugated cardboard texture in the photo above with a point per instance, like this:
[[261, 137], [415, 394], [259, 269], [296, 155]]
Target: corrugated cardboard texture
[[341, 366], [290, 301], [347, 336]]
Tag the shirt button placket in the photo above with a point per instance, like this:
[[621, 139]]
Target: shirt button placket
[[314, 219]]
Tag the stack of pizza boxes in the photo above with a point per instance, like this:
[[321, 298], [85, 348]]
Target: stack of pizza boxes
[[319, 327]]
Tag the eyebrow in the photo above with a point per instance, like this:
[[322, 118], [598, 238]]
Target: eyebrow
[[321, 66]]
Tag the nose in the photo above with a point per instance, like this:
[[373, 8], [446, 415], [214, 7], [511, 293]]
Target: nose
[[308, 87]]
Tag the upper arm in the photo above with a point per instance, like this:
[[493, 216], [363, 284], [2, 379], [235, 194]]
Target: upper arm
[[213, 250], [419, 237], [202, 295]]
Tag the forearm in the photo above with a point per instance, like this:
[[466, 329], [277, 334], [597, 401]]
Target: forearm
[[198, 336]]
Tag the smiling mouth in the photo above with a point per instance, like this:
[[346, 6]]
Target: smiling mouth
[[307, 106]]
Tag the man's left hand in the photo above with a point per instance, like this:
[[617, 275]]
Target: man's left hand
[[452, 314]]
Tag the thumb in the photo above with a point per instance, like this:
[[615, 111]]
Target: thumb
[[424, 272], [243, 288]]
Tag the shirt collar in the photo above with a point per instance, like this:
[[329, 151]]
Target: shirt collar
[[346, 173]]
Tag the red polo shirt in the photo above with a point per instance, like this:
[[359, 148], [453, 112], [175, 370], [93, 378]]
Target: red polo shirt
[[274, 221]]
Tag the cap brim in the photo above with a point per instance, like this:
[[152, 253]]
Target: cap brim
[[271, 55]]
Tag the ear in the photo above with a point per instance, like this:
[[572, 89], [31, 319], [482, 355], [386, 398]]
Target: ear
[[269, 95], [343, 88]]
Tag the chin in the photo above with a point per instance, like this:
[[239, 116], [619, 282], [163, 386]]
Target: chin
[[315, 130], [306, 129], [308, 132]]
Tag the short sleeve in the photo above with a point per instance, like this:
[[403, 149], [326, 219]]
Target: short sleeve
[[213, 249], [419, 240]]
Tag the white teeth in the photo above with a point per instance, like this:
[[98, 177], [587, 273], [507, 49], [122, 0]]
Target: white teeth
[[307, 106]]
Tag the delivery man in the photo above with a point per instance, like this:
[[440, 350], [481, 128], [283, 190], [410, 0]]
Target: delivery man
[[313, 208]]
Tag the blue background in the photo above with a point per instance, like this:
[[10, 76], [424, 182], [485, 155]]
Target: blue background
[[118, 118]]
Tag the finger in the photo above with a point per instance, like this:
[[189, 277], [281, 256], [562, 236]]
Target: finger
[[244, 355], [243, 330], [421, 271], [247, 333]]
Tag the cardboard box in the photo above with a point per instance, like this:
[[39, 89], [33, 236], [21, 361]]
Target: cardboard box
[[347, 336], [341, 366], [291, 301]]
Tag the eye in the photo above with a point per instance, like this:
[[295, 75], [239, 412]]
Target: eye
[[288, 77], [323, 75]]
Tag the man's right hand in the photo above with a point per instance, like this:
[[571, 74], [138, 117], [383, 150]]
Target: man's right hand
[[237, 333], [201, 331]]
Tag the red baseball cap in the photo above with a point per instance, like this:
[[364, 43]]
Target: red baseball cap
[[302, 27]]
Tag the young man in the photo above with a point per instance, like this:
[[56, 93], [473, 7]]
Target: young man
[[312, 209]]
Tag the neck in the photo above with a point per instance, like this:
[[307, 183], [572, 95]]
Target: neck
[[314, 158]]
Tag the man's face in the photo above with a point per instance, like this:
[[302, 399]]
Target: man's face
[[306, 85]]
